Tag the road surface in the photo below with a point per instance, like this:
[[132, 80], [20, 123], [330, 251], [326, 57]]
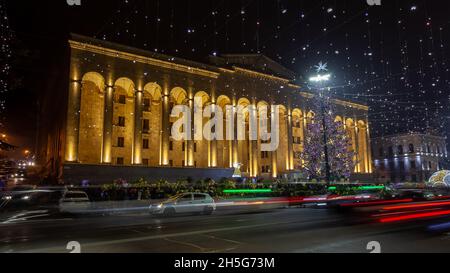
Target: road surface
[[289, 230]]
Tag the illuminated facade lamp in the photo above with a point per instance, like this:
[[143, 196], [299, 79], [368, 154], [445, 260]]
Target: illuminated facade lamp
[[320, 78]]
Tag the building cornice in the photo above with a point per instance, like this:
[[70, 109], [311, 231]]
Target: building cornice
[[141, 59], [259, 74], [340, 102]]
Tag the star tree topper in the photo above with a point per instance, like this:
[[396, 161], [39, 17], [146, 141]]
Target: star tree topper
[[321, 67]]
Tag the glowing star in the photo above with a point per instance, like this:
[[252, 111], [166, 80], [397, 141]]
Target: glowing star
[[321, 67]]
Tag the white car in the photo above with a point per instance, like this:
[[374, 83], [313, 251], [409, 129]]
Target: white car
[[185, 203], [74, 202]]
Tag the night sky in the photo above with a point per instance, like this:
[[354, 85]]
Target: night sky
[[393, 58]]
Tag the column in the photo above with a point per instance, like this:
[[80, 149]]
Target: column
[[165, 131], [108, 125], [290, 151], [274, 153], [137, 142], [234, 142], [73, 121], [369, 150], [356, 145], [213, 146], [190, 143]]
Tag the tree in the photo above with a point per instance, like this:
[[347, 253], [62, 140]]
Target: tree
[[338, 142]]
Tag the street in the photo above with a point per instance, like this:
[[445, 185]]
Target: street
[[289, 230]]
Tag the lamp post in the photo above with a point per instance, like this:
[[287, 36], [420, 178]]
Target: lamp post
[[319, 80]]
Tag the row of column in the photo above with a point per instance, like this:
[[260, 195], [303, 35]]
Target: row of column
[[73, 127]]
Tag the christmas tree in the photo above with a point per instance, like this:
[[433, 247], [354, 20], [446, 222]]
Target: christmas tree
[[338, 143]]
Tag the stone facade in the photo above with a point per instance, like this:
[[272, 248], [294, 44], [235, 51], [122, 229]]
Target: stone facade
[[408, 157], [119, 102]]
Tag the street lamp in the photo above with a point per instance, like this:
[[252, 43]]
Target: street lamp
[[319, 80]]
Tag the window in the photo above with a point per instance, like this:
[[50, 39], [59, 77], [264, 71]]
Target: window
[[414, 178], [171, 163], [120, 161], [146, 125], [183, 147], [147, 105], [145, 162], [183, 163], [430, 165], [400, 149], [122, 99], [428, 149], [199, 197], [195, 147], [186, 198], [381, 152], [120, 142], [391, 151], [411, 148], [121, 122], [171, 146], [145, 144], [265, 154], [413, 165]]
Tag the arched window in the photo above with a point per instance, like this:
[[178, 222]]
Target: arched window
[[411, 148], [400, 149], [391, 151]]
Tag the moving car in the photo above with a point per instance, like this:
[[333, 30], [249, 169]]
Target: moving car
[[185, 203], [74, 202]]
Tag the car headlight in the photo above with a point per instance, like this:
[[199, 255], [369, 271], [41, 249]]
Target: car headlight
[[7, 197], [160, 206], [26, 197]]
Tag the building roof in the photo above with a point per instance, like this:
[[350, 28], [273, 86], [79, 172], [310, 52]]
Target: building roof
[[256, 62], [412, 134]]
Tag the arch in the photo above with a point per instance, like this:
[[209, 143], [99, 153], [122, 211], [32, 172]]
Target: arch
[[125, 85], [363, 147], [178, 95], [297, 112], [283, 109], [204, 96], [91, 118], [154, 90], [350, 123], [261, 104], [223, 101], [244, 102], [351, 133], [96, 79]]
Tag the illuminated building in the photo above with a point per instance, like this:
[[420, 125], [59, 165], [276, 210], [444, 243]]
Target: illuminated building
[[408, 157], [117, 116]]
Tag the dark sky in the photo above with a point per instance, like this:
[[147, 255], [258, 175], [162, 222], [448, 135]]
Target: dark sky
[[394, 57]]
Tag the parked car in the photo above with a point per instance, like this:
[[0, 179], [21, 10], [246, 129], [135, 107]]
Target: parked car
[[74, 202], [186, 203]]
